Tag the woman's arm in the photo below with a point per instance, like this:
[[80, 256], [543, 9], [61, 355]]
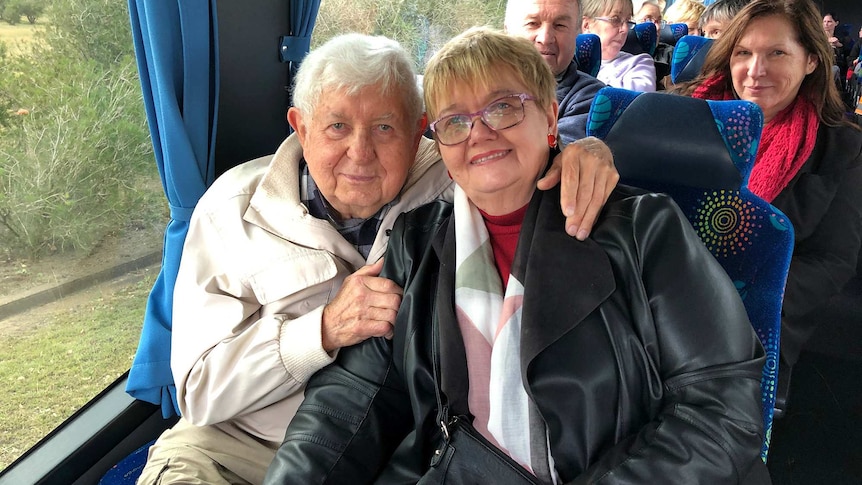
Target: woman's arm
[[356, 411]]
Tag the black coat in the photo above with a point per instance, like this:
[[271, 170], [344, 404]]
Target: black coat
[[635, 348], [823, 201]]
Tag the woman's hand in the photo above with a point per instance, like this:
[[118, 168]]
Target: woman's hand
[[586, 171]]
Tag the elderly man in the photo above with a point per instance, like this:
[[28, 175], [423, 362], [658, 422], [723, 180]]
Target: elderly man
[[552, 26], [281, 260]]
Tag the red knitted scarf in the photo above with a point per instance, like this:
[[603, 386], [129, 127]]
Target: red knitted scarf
[[785, 144]]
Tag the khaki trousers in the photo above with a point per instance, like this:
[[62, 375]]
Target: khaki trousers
[[219, 454]]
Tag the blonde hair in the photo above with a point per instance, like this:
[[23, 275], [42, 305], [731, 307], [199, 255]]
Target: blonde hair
[[595, 8], [479, 55], [684, 11]]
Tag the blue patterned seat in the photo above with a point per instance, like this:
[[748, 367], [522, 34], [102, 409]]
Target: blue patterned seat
[[643, 38], [688, 57], [701, 154], [671, 33], [588, 53]]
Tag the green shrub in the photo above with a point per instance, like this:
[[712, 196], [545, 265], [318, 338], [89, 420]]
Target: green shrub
[[79, 165]]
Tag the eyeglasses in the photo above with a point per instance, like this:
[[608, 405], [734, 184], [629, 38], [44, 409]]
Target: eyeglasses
[[659, 23], [617, 22], [500, 114]]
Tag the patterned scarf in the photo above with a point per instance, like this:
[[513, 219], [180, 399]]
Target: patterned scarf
[[785, 144], [490, 323]]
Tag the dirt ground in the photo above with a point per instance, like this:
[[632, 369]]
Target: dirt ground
[[20, 278]]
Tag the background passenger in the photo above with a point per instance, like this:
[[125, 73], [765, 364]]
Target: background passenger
[[280, 265], [642, 369], [809, 162], [686, 12], [718, 15], [611, 20], [552, 26]]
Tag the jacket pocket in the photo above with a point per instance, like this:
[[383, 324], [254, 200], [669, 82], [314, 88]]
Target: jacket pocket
[[293, 274]]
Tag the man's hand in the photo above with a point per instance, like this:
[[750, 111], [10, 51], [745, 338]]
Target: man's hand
[[587, 173], [364, 307]]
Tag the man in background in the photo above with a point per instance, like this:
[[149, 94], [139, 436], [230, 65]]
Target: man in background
[[552, 26]]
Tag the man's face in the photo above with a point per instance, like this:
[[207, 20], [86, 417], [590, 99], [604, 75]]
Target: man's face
[[649, 13], [359, 148], [552, 26]]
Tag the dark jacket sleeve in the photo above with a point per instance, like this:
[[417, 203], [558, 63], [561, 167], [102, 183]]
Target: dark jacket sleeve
[[825, 206], [355, 412], [708, 428], [575, 94]]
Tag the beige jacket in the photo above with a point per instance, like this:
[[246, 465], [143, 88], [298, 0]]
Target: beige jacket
[[255, 274]]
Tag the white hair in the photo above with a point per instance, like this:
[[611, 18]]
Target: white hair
[[351, 62]]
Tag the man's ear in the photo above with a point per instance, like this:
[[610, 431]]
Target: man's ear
[[422, 125], [294, 117], [585, 25]]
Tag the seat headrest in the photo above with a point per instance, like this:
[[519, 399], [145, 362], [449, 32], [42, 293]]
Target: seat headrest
[[688, 57], [588, 53], [671, 33], [643, 38], [705, 144]]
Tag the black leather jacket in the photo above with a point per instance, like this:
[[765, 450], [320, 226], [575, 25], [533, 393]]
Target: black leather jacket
[[636, 350]]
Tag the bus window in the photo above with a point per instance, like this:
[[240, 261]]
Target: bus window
[[81, 202]]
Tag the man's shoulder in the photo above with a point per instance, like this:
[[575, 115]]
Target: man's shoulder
[[239, 180], [576, 84]]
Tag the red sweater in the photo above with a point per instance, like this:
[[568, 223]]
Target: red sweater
[[504, 231]]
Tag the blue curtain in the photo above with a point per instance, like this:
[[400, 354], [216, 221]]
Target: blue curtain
[[178, 65], [294, 47]]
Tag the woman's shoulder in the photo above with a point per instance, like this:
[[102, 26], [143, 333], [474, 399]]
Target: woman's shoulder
[[425, 218], [841, 146]]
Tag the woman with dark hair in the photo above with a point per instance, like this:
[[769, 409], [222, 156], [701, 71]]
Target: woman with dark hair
[[809, 163]]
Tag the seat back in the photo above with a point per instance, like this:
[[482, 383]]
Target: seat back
[[688, 57], [643, 38], [701, 154], [671, 33], [588, 53]]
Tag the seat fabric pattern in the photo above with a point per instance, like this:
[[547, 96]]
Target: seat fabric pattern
[[643, 38], [671, 33], [588, 53], [750, 238], [688, 57]]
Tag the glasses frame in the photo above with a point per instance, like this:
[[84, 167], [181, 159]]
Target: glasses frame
[[659, 23], [523, 97], [617, 22]]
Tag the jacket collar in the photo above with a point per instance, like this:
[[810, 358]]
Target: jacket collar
[[275, 205]]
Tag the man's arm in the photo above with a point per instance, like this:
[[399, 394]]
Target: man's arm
[[587, 176], [255, 317]]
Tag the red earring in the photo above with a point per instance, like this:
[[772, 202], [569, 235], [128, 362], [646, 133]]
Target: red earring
[[552, 140]]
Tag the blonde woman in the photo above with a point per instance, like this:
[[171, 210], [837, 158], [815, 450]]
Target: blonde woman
[[611, 20]]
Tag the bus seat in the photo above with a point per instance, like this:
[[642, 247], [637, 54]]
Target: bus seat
[[671, 33], [642, 39], [701, 154], [688, 57], [129, 468], [588, 53]]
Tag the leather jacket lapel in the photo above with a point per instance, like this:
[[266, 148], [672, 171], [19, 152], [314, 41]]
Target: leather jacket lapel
[[565, 280]]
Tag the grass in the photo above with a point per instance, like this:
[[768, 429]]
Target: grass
[[17, 36], [55, 366]]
